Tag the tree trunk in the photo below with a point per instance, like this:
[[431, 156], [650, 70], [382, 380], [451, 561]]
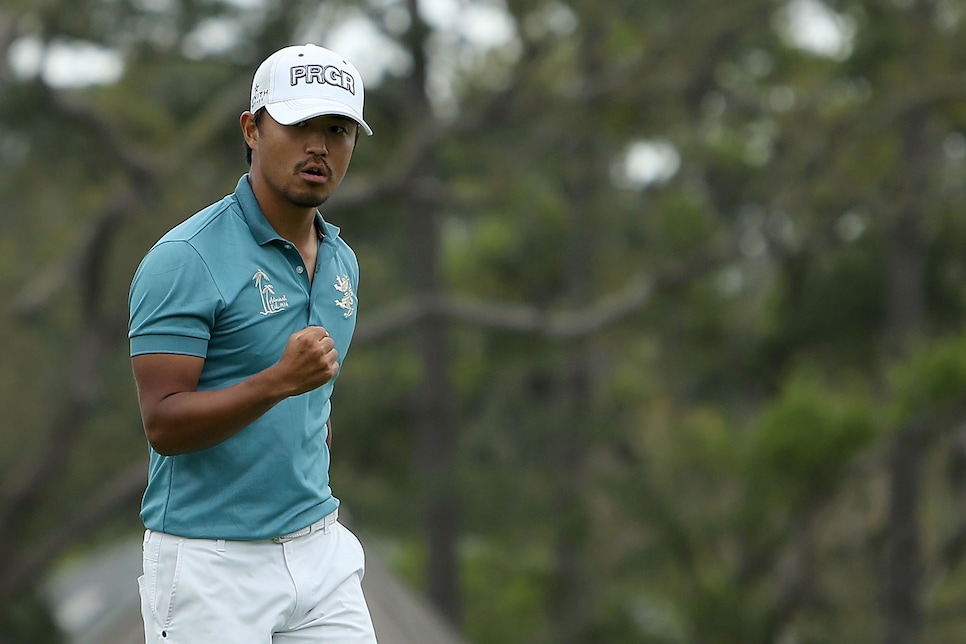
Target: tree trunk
[[902, 601], [435, 424], [571, 601]]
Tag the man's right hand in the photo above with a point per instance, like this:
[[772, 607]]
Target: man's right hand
[[309, 360]]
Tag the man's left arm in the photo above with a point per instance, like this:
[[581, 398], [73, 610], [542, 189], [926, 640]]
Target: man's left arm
[[328, 435]]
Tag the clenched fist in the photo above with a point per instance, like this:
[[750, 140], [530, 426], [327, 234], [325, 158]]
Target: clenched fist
[[309, 360]]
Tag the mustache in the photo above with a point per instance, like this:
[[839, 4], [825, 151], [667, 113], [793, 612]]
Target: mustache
[[315, 163]]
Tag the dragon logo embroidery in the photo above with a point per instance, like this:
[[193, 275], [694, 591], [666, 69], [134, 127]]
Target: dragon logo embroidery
[[270, 302], [348, 300]]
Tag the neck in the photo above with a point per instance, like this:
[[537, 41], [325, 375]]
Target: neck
[[292, 222]]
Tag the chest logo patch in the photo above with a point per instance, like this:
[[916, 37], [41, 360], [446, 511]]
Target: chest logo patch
[[271, 303], [348, 300]]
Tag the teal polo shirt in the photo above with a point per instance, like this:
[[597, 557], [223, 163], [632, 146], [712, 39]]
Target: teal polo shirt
[[225, 287]]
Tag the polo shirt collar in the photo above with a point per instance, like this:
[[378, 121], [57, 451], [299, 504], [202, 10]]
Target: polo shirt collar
[[262, 231]]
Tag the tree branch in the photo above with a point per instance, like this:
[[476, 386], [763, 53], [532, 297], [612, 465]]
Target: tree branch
[[524, 318]]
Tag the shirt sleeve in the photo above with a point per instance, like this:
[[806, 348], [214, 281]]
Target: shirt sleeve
[[173, 302]]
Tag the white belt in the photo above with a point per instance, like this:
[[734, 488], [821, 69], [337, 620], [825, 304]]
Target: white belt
[[323, 524]]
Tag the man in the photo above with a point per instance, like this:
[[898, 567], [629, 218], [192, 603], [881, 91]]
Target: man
[[240, 317]]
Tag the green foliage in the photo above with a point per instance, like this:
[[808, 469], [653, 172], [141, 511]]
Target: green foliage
[[682, 224], [831, 304], [932, 378], [806, 440], [521, 573]]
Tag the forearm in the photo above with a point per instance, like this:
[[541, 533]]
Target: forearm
[[179, 418], [190, 421]]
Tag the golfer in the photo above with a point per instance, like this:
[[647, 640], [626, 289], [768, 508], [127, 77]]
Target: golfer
[[240, 319]]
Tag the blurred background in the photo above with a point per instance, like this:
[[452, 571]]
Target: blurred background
[[661, 322]]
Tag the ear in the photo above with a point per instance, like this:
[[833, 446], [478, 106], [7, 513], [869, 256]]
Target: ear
[[249, 129]]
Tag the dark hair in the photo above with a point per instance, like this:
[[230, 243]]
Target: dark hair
[[258, 121]]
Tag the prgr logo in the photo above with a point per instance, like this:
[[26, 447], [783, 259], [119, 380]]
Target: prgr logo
[[327, 74]]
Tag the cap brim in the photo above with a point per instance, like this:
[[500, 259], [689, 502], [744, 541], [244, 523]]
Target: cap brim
[[298, 110]]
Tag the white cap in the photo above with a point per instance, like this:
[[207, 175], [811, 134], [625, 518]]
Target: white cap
[[304, 81]]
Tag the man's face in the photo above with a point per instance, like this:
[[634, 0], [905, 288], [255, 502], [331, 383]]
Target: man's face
[[304, 163]]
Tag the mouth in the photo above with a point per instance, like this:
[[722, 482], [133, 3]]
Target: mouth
[[314, 173]]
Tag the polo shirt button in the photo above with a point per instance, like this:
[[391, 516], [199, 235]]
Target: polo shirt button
[[299, 270], [288, 247]]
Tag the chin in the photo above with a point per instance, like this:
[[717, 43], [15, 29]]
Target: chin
[[310, 203], [306, 200]]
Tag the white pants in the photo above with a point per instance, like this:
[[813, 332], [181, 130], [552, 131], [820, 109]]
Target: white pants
[[300, 589]]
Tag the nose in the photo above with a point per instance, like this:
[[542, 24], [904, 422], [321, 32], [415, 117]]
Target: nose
[[315, 143]]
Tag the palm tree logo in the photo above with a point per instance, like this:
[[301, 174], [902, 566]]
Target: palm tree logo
[[266, 291]]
